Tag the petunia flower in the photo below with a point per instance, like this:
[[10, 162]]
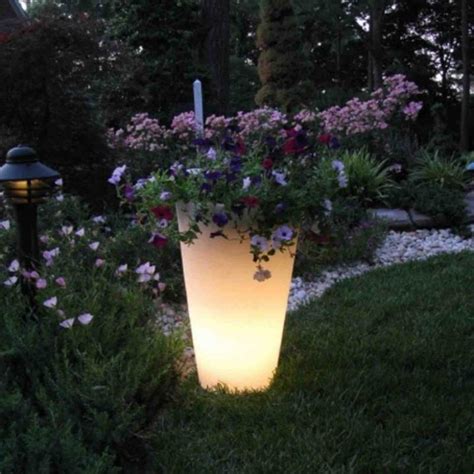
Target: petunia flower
[[99, 219], [121, 270], [280, 178], [81, 232], [162, 212], [220, 218], [129, 193], [33, 275], [67, 323], [94, 246], [10, 281], [246, 182], [51, 302], [283, 232], [260, 242], [117, 175], [158, 240], [165, 196], [66, 230], [85, 318], [250, 201], [14, 266], [5, 225], [267, 164], [99, 263], [60, 281], [41, 284], [59, 182]]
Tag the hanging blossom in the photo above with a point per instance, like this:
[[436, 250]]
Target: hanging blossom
[[5, 225]]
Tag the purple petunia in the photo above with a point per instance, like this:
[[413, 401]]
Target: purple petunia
[[117, 175], [260, 242], [220, 218]]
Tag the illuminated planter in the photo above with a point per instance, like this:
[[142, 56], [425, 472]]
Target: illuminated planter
[[236, 321]]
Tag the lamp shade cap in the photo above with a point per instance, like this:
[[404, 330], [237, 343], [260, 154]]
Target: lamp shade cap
[[22, 164]]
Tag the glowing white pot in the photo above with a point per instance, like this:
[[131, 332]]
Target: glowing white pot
[[236, 321]]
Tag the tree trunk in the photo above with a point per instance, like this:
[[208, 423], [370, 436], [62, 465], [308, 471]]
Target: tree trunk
[[216, 19], [466, 80]]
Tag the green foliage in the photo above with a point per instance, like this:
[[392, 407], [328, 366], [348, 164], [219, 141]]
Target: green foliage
[[282, 66], [376, 376], [348, 237], [368, 179], [49, 70], [436, 170], [88, 398], [166, 36]]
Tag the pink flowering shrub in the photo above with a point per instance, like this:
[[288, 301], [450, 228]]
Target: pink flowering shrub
[[142, 133], [377, 113]]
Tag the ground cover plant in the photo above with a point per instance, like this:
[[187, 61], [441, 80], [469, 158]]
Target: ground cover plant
[[374, 377], [86, 374]]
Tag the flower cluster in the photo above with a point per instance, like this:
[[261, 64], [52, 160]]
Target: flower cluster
[[262, 189], [142, 133], [361, 116]]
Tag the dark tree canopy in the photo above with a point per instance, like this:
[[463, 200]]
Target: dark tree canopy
[[282, 66]]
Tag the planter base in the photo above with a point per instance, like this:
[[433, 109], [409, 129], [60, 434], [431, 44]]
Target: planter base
[[236, 321]]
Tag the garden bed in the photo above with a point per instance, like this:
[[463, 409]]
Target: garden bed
[[400, 219]]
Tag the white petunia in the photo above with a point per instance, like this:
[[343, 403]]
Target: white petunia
[[85, 318], [67, 323], [14, 266], [51, 302]]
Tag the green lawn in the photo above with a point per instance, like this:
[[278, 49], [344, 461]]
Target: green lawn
[[377, 376]]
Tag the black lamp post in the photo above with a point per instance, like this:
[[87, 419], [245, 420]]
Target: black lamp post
[[26, 183]]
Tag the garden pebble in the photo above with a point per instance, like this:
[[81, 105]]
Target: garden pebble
[[398, 247]]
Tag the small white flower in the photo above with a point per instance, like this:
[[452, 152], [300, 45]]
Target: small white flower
[[59, 182], [10, 281], [327, 205], [14, 266], [67, 230], [98, 219], [94, 246], [280, 178], [121, 269], [85, 318], [60, 197], [165, 196], [51, 302], [67, 323], [5, 225], [211, 154], [246, 183], [99, 263]]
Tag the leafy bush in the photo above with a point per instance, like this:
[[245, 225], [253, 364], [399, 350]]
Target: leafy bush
[[348, 237], [86, 375], [434, 169]]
